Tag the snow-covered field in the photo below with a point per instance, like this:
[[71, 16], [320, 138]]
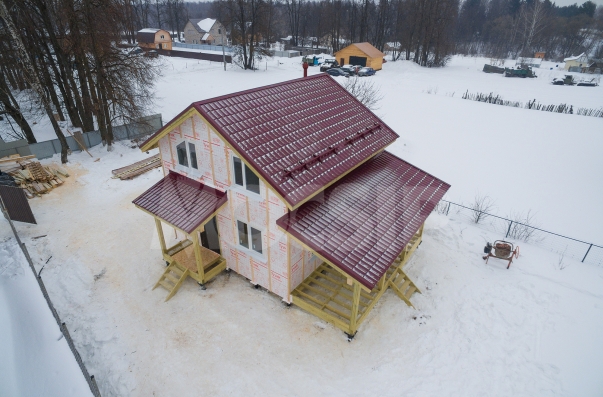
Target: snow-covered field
[[479, 330]]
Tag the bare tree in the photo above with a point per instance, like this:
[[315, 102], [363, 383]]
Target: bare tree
[[482, 206], [365, 91]]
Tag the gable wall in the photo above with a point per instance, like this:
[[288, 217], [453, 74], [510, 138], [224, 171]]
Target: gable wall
[[284, 263], [191, 36]]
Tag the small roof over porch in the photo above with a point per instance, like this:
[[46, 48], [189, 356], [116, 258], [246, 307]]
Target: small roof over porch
[[181, 202], [365, 220]]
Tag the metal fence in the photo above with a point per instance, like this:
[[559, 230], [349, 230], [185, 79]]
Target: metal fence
[[46, 149], [565, 247], [89, 378], [206, 47]]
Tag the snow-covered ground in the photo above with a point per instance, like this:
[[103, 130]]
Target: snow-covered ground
[[35, 359], [533, 330]]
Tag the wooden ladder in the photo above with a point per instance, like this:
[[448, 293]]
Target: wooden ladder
[[172, 279], [403, 286]]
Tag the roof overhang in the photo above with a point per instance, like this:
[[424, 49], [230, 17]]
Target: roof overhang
[[362, 223], [181, 202]]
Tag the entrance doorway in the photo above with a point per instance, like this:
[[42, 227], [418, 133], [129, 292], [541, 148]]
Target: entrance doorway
[[209, 237], [361, 61]]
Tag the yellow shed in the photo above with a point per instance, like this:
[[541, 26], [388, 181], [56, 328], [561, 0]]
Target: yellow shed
[[363, 54], [154, 39]]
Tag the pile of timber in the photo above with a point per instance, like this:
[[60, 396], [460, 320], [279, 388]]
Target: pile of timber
[[30, 175], [139, 167]]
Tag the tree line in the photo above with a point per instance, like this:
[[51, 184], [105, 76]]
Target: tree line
[[62, 57], [427, 32]]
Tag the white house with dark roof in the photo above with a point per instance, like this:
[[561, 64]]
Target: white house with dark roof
[[204, 31]]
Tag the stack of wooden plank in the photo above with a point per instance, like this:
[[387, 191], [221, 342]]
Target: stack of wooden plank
[[140, 167], [32, 176]]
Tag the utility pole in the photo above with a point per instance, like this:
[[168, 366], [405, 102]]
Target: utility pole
[[223, 54]]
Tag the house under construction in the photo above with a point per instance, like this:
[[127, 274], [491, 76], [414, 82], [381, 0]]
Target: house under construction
[[290, 186]]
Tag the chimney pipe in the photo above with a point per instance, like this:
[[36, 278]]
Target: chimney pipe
[[305, 69]]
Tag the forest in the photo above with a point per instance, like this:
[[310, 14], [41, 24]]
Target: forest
[[425, 31], [65, 59]]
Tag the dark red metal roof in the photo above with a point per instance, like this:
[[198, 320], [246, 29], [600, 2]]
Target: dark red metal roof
[[300, 135], [363, 222], [181, 201]]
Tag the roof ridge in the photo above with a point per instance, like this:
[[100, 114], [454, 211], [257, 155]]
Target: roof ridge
[[264, 87]]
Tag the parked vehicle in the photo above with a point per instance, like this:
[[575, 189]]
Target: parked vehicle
[[151, 54], [366, 71], [568, 79], [351, 69], [493, 69], [136, 50], [523, 72], [337, 72], [328, 64]]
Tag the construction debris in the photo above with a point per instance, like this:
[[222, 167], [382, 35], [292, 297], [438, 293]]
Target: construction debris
[[31, 176], [140, 167]]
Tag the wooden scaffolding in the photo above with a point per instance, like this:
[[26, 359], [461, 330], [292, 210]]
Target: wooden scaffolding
[[335, 297], [188, 258]]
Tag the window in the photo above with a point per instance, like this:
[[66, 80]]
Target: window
[[219, 31], [187, 155], [256, 237], [193, 154], [182, 157], [247, 179], [162, 36]]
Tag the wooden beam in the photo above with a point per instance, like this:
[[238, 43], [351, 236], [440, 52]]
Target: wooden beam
[[161, 236], [198, 258], [355, 304]]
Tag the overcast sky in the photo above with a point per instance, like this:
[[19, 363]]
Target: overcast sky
[[561, 3]]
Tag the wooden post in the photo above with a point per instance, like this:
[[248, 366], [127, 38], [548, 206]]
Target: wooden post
[[160, 234], [355, 304], [198, 257], [382, 282]]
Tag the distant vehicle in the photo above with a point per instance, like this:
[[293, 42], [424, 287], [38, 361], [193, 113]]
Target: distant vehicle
[[366, 71], [328, 64], [351, 69], [493, 69], [337, 72], [151, 54], [136, 50], [523, 72], [568, 79]]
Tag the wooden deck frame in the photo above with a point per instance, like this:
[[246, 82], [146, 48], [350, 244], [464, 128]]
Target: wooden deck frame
[[177, 271], [327, 294]]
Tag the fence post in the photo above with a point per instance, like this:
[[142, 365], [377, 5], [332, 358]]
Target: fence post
[[509, 229], [587, 251], [448, 209]]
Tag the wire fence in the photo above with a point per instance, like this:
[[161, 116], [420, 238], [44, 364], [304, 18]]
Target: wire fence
[[89, 378], [201, 47], [565, 247]]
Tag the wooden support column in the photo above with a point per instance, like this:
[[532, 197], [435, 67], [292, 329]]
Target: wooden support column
[[355, 305], [198, 257], [160, 234], [382, 282]]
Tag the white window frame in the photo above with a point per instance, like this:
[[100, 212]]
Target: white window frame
[[188, 169], [243, 188], [250, 250]]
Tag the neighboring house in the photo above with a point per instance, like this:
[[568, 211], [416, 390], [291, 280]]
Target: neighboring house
[[204, 31], [577, 61], [363, 54], [289, 185], [154, 39], [540, 55]]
